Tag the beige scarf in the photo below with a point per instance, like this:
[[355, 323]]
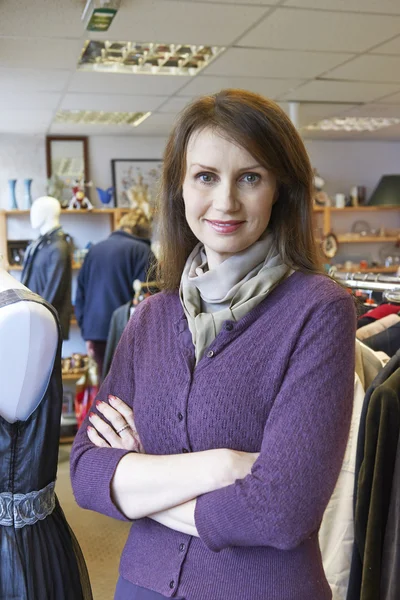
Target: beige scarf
[[229, 291]]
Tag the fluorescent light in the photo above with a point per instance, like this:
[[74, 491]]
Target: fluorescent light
[[352, 124], [93, 117], [146, 58]]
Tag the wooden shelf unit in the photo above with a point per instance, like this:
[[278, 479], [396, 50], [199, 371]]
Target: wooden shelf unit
[[114, 214], [328, 211], [386, 270]]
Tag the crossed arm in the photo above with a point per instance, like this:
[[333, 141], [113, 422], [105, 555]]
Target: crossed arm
[[163, 488]]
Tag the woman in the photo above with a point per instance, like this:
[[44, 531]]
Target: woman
[[240, 375]]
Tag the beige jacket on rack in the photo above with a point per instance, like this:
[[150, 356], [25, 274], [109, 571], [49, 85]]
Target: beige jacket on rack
[[380, 325], [336, 535]]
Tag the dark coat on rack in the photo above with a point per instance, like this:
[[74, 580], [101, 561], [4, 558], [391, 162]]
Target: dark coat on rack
[[48, 272], [119, 319], [387, 341], [390, 579], [379, 443], [106, 278]]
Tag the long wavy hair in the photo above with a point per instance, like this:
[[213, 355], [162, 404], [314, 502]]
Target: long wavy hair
[[264, 130]]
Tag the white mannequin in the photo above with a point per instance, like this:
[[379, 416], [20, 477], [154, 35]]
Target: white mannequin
[[45, 214], [28, 344]]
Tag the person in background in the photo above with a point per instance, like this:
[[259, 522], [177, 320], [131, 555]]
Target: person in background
[[105, 279], [221, 427]]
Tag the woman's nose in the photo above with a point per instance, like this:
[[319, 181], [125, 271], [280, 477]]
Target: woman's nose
[[225, 199]]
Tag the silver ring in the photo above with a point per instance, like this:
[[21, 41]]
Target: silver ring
[[122, 428]]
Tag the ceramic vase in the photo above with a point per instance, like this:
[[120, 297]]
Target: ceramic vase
[[28, 194], [13, 199]]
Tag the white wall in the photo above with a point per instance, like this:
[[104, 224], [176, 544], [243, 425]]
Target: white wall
[[344, 164], [102, 149], [22, 156]]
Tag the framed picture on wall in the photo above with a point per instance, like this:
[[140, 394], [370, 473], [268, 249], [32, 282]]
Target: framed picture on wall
[[135, 183]]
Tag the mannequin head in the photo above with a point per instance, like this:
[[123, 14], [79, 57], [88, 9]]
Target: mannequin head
[[45, 214]]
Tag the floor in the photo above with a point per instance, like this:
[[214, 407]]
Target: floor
[[101, 538]]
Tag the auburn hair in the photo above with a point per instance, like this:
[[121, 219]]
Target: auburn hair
[[265, 131]]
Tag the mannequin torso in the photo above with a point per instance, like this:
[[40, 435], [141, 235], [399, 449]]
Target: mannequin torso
[[29, 338]]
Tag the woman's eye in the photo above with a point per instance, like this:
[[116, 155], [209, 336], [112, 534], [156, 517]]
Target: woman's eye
[[205, 177], [251, 178]]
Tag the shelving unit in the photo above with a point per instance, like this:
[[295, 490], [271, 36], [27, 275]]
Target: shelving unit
[[328, 211], [114, 215]]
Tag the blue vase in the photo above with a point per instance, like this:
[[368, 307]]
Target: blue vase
[[13, 199], [105, 196], [28, 194]]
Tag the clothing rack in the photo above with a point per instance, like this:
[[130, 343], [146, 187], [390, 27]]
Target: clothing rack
[[369, 281]]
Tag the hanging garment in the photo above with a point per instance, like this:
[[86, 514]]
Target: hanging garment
[[47, 272], [377, 326], [375, 460], [390, 578], [336, 535], [383, 310], [387, 341], [119, 319], [40, 556]]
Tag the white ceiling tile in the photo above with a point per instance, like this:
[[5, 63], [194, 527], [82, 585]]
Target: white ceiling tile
[[174, 105], [267, 87], [116, 83], [341, 91], [313, 112], [274, 63], [392, 47], [23, 121], [318, 30], [29, 100], [35, 80], [391, 7], [182, 22], [369, 68], [254, 2], [111, 102], [41, 18], [374, 110], [39, 53], [392, 99]]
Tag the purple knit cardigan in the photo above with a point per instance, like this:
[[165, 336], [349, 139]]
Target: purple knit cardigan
[[280, 382]]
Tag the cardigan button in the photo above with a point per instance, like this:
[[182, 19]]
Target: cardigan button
[[210, 354], [172, 584], [180, 416], [229, 326], [182, 547], [185, 450]]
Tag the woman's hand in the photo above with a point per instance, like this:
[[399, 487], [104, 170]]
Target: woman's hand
[[119, 431]]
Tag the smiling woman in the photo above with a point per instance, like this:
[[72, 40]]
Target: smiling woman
[[228, 204], [221, 427]]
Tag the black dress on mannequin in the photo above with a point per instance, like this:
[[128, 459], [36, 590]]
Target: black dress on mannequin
[[47, 272], [40, 556]]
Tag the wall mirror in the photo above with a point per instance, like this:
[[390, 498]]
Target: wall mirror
[[67, 165]]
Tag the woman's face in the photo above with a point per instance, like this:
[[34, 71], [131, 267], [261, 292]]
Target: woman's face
[[228, 196]]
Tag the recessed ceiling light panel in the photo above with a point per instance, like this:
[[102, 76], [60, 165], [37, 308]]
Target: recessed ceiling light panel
[[352, 124], [146, 58], [93, 117]]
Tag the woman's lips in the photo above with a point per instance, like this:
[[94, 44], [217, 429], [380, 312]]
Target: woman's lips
[[225, 226]]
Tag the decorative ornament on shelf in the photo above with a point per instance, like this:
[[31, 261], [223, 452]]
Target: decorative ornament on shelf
[[79, 200], [330, 245], [105, 196], [320, 197], [28, 193], [13, 199]]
